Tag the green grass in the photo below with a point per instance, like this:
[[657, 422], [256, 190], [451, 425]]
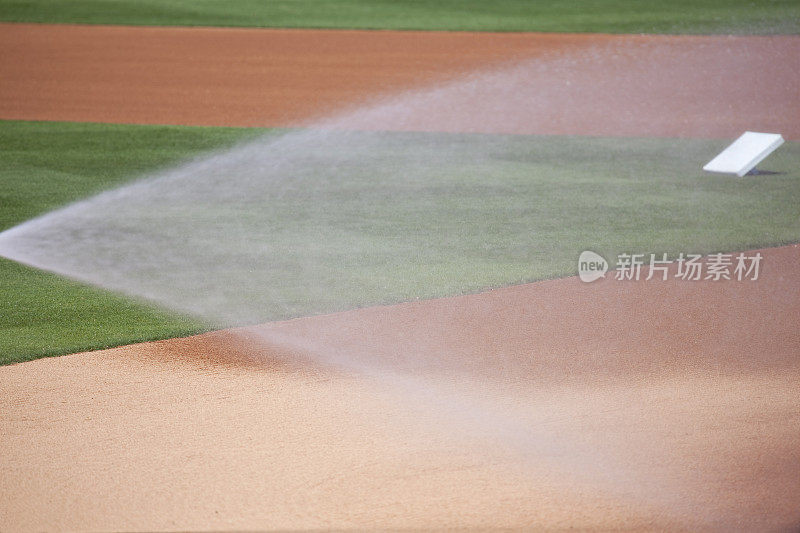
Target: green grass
[[613, 16], [548, 199], [44, 165]]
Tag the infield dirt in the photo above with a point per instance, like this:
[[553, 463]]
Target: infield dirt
[[579, 84]]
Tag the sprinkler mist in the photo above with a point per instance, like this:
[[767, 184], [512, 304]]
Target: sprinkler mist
[[348, 212]]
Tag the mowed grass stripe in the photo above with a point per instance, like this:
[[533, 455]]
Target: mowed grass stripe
[[607, 16]]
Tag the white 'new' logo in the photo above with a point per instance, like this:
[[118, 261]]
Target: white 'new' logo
[[591, 266]]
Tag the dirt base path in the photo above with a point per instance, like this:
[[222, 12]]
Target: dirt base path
[[644, 405], [561, 84]]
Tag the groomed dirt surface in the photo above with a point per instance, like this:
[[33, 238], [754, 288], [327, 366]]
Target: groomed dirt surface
[[612, 405], [646, 405], [618, 85]]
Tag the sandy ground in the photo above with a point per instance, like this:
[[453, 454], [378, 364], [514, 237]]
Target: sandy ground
[[555, 404], [557, 84], [615, 405]]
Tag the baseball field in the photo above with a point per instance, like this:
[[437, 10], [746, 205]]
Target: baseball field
[[306, 265]]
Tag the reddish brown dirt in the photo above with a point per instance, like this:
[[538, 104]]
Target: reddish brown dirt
[[566, 84], [684, 392], [645, 405]]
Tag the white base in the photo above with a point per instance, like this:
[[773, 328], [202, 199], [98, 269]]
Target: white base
[[745, 153]]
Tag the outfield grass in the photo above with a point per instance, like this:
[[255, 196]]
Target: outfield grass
[[612, 16], [548, 199]]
